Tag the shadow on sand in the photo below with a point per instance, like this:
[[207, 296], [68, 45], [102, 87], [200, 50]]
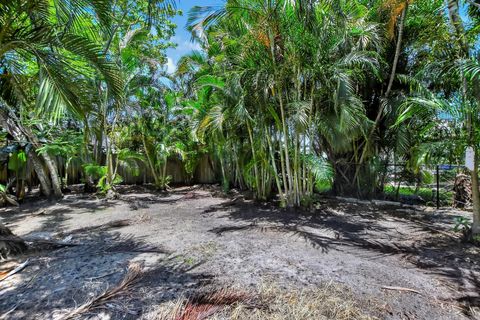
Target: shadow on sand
[[340, 226]]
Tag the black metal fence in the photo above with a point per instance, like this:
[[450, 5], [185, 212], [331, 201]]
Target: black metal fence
[[431, 185]]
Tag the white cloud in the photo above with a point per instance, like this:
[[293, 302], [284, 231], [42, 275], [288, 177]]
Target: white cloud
[[171, 66], [183, 47], [189, 46]]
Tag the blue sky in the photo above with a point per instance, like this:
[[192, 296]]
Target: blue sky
[[182, 37]]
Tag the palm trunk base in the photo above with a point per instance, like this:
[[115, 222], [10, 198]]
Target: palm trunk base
[[89, 186], [10, 244], [349, 183], [471, 235], [475, 234]]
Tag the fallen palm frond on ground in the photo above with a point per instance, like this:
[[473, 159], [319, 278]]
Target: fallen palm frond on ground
[[222, 206], [329, 301], [194, 195], [5, 274], [205, 305], [401, 289], [133, 274], [103, 227]]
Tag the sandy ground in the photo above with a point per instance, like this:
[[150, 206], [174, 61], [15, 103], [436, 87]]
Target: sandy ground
[[195, 237]]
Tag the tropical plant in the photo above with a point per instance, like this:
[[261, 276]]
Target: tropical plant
[[49, 41]]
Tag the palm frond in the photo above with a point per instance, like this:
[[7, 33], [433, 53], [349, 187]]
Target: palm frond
[[93, 53]]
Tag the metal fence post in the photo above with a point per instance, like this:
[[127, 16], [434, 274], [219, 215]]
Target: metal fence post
[[438, 187]]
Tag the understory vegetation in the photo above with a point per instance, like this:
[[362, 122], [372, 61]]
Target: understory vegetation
[[284, 98]]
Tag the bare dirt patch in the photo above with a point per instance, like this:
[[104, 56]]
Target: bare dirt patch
[[191, 239]]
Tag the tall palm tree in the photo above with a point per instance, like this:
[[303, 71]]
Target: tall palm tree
[[471, 110], [63, 49], [47, 37], [286, 81]]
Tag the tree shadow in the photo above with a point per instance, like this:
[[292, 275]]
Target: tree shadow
[[312, 227], [455, 262], [53, 213], [136, 201], [471, 299], [422, 240], [57, 281]]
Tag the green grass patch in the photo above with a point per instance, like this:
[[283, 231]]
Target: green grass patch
[[427, 194], [323, 186]]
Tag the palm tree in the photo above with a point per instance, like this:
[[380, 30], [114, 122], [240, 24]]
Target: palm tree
[[282, 82], [470, 108], [46, 35], [398, 8], [50, 51]]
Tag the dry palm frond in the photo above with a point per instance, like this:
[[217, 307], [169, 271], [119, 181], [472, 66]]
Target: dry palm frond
[[463, 191], [133, 274], [262, 37], [401, 289], [204, 305], [395, 8], [327, 301], [194, 195], [5, 274], [103, 227], [143, 218]]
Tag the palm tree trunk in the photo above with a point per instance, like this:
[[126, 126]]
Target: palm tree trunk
[[255, 165], [15, 130], [296, 170], [274, 165], [86, 158], [164, 173], [45, 186], [52, 168], [289, 178], [475, 196], [282, 165], [150, 161], [49, 162], [398, 49], [285, 142], [304, 165], [225, 184]]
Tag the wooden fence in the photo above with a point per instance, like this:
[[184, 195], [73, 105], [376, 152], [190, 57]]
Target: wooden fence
[[206, 172]]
